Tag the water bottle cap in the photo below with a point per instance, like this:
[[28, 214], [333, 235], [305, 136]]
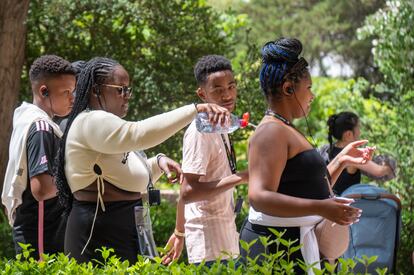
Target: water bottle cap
[[245, 120]]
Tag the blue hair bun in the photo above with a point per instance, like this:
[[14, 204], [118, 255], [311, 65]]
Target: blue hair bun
[[278, 57], [282, 50]]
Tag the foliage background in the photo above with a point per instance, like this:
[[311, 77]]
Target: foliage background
[[158, 42]]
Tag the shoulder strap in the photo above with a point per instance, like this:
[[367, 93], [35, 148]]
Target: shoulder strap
[[324, 152], [230, 153]]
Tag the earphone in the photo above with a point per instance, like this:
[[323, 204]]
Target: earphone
[[290, 90], [45, 92]]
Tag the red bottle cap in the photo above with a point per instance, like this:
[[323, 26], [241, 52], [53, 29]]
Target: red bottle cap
[[245, 120]]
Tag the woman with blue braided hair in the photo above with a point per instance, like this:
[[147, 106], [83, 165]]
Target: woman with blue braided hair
[[288, 188]]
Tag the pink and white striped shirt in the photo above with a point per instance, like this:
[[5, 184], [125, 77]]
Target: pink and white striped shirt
[[210, 228]]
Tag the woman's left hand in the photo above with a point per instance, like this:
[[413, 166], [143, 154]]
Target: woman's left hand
[[351, 154], [171, 168]]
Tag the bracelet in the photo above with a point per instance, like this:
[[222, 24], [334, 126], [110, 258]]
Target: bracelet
[[178, 233], [160, 155], [195, 105]]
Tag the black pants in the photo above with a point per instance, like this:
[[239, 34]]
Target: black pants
[[53, 237], [114, 228], [250, 232]]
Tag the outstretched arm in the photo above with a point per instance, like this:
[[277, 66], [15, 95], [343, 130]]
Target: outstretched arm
[[117, 135], [375, 169]]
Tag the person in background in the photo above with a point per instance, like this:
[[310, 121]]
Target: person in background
[[345, 128], [62, 121], [30, 193]]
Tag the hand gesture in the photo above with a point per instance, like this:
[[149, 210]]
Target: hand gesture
[[216, 113], [174, 248], [171, 168], [340, 211], [351, 154]]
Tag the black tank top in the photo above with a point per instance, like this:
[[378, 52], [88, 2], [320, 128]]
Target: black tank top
[[304, 176], [345, 179]]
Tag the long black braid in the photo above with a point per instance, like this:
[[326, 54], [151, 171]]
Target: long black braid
[[337, 125], [94, 72]]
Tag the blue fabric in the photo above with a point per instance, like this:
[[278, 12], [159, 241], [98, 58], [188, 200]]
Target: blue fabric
[[377, 232]]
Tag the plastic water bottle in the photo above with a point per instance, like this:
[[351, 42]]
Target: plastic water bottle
[[204, 126]]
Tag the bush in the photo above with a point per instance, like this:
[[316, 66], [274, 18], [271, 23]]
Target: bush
[[157, 41], [276, 263], [6, 241]]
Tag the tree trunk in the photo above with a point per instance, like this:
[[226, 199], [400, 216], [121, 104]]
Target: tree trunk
[[13, 29]]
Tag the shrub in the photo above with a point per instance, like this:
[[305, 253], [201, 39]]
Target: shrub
[[6, 241], [276, 263]]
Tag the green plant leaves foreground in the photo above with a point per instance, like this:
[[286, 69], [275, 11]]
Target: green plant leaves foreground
[[277, 263]]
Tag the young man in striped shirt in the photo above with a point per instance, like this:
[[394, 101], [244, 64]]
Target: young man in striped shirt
[[29, 192], [207, 220]]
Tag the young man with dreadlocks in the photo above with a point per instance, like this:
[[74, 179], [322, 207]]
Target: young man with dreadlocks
[[207, 220], [29, 192], [101, 173]]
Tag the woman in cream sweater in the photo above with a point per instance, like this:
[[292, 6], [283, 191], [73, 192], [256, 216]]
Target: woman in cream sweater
[[100, 175]]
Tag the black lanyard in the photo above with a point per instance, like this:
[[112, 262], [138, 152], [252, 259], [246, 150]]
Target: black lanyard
[[279, 117], [231, 155], [287, 122]]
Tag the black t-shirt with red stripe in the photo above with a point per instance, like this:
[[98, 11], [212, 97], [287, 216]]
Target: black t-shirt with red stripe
[[42, 145]]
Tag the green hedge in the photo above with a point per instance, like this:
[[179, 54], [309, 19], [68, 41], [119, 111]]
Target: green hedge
[[277, 263], [6, 241]]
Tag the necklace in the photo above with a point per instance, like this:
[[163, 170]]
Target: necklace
[[279, 117], [288, 123]]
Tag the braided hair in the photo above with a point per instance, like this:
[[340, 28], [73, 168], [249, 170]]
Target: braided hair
[[338, 124], [94, 72], [78, 66], [280, 63]]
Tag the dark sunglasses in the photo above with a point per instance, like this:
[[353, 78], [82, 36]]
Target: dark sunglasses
[[125, 91]]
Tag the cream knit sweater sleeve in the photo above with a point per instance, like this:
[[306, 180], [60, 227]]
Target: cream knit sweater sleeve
[[155, 169], [107, 133]]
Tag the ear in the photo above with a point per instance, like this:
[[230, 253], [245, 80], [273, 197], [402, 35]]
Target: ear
[[44, 92], [288, 88], [348, 135], [201, 94]]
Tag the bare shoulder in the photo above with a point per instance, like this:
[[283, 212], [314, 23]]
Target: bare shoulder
[[269, 134]]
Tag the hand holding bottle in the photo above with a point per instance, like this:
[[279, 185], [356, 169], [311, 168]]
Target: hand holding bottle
[[203, 124], [215, 114]]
